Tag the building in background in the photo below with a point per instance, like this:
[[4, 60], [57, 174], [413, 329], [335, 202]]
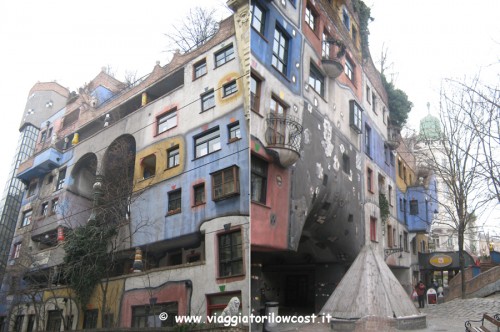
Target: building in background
[[165, 159]]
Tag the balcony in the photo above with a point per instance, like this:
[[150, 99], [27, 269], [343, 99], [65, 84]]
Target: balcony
[[333, 53], [284, 136], [394, 136], [41, 164]]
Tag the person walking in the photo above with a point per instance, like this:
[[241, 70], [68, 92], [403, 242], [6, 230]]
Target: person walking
[[420, 289]]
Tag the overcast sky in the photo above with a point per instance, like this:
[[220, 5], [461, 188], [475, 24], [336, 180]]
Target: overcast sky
[[69, 42]]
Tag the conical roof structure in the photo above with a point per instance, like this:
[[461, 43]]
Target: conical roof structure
[[369, 288]]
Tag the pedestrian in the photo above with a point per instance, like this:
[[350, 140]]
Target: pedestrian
[[435, 284], [420, 289]]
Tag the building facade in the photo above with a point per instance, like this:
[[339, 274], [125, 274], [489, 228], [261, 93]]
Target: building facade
[[164, 159]]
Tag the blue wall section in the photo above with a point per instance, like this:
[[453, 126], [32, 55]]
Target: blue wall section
[[159, 226], [377, 149], [262, 47]]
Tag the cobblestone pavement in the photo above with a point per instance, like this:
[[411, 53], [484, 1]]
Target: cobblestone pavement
[[449, 316]]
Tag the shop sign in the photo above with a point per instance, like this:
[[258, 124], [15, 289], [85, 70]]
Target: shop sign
[[440, 260]]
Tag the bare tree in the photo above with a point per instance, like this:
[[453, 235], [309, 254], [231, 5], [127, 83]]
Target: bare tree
[[453, 153], [194, 30]]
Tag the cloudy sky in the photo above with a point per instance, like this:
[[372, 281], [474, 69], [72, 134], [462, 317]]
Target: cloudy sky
[[426, 41]]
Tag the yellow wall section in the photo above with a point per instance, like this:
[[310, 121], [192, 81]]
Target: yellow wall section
[[162, 173], [113, 299], [224, 80], [410, 174]]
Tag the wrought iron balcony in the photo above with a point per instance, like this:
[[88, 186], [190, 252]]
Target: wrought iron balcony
[[284, 136], [40, 164], [333, 53]]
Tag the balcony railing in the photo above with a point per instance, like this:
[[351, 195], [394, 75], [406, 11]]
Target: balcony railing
[[284, 135], [40, 164]]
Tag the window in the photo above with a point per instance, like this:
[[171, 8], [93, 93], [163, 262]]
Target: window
[[200, 68], [149, 315], [316, 80], [405, 210], [368, 140], [148, 165], [255, 84], [50, 178], [26, 218], [369, 180], [346, 19], [414, 246], [368, 94], [173, 157], [234, 131], [258, 17], [45, 209], [217, 302], [225, 183], [258, 181], [401, 207], [325, 47], [90, 319], [355, 116], [43, 136], [199, 194], [386, 154], [71, 118], [17, 250], [310, 17], [18, 323], [207, 143], [54, 320], [373, 229], [400, 168], [280, 51], [230, 254], [31, 323], [413, 207], [354, 35], [389, 192], [374, 103], [405, 241], [278, 133], [60, 179], [346, 163], [55, 203], [390, 239], [207, 101], [31, 188], [391, 157], [349, 69], [229, 89], [224, 56], [166, 121], [174, 202]]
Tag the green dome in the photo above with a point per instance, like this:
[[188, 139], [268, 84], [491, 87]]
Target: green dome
[[430, 128]]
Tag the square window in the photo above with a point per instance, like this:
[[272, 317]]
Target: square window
[[234, 131], [17, 250], [148, 166], [200, 68], [280, 51], [355, 117], [26, 218], [174, 202], [349, 69], [55, 203], [45, 209], [255, 86], [310, 18], [225, 183], [229, 88], [258, 17], [368, 140], [199, 194], [258, 180], [61, 178], [414, 207], [173, 157], [166, 121], [207, 142], [316, 80], [346, 163], [224, 56], [230, 254], [207, 101]]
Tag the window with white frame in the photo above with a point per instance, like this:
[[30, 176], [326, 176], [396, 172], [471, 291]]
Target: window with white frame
[[355, 116], [258, 17], [224, 56], [349, 69], [316, 80], [280, 51], [207, 100], [229, 88], [166, 121], [207, 142], [200, 68], [26, 218], [173, 157], [310, 17]]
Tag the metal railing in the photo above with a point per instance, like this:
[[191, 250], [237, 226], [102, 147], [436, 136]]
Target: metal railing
[[283, 131]]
